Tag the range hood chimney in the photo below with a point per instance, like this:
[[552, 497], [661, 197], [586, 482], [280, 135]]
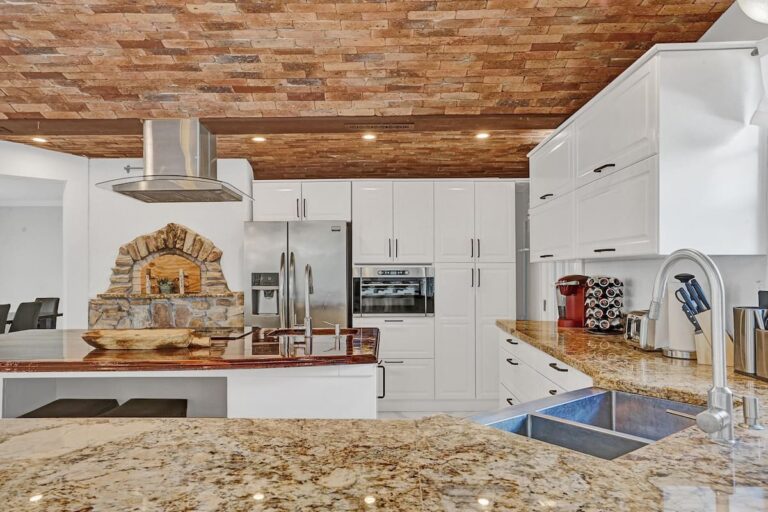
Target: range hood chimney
[[179, 166]]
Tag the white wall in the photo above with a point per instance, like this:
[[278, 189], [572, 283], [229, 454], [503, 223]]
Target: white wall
[[115, 219], [31, 258], [26, 161], [734, 25]]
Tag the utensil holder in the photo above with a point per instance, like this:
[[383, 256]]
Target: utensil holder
[[704, 341]]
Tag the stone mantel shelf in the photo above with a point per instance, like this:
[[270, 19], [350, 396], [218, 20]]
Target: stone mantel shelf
[[166, 295]]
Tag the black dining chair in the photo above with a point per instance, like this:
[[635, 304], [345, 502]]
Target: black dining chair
[[50, 306], [4, 310], [26, 316]]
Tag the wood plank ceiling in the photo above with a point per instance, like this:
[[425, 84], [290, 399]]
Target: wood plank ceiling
[[88, 61]]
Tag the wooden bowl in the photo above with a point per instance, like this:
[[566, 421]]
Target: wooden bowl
[[144, 339]]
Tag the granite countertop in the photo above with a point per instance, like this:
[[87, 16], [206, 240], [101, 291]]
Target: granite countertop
[[437, 463], [65, 350]]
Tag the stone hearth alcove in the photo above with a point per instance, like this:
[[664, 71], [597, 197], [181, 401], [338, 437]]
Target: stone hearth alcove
[[207, 301]]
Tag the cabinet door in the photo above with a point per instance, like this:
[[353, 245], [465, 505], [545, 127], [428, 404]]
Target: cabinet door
[[620, 129], [455, 331], [495, 298], [277, 200], [454, 221], [407, 337], [326, 200], [552, 230], [372, 222], [551, 168], [619, 215], [495, 221], [408, 379], [414, 225]]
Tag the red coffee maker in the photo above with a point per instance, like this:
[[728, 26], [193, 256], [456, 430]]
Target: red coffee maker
[[571, 299]]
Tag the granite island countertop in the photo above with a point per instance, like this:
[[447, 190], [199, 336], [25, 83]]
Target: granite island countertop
[[47, 350], [437, 463]]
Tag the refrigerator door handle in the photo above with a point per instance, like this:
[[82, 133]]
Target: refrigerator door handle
[[292, 290], [281, 292]]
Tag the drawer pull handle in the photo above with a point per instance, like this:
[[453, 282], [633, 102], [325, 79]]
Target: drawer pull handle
[[510, 402], [512, 362], [605, 250], [392, 321], [602, 167], [547, 256], [546, 196], [512, 342], [555, 367], [394, 362], [552, 391]]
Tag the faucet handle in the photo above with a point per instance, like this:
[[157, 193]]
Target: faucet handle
[[751, 406]]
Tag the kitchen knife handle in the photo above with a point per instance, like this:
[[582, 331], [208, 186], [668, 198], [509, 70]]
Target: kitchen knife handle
[[691, 317], [603, 167], [700, 293], [695, 298], [682, 295]]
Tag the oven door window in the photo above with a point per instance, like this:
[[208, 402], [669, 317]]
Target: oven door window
[[393, 297]]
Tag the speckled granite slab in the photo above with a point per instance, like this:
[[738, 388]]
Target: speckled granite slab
[[438, 463]]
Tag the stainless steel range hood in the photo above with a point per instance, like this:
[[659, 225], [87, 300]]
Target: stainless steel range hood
[[179, 166]]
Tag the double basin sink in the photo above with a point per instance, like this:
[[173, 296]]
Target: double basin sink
[[595, 421]]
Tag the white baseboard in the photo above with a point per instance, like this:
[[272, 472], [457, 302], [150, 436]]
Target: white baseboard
[[437, 405]]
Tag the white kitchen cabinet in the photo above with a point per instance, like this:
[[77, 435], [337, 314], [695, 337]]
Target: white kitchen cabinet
[[495, 298], [326, 200], [393, 222], [621, 130], [406, 337], [554, 168], [297, 200], [414, 225], [495, 221], [454, 221], [276, 200], [455, 331], [372, 222], [524, 382], [475, 221], [552, 230], [618, 216], [407, 379], [671, 134]]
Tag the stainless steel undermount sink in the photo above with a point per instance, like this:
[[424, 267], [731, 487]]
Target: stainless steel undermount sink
[[598, 422]]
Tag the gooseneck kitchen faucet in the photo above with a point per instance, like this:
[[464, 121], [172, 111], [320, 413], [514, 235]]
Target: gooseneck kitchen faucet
[[309, 289], [717, 420]]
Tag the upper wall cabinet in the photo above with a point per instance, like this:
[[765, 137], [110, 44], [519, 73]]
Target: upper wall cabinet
[[665, 158], [393, 222], [297, 200], [474, 221]]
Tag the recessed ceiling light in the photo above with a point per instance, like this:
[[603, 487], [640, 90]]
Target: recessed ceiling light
[[369, 500], [41, 140], [258, 496], [259, 139], [35, 498], [369, 136], [482, 135]]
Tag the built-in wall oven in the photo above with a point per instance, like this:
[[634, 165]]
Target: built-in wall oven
[[393, 291]]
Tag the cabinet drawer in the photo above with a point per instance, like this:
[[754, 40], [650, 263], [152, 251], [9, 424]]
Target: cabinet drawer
[[407, 379], [410, 338], [619, 215], [524, 382], [552, 230]]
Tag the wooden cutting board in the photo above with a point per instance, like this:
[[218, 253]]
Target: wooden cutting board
[[144, 339]]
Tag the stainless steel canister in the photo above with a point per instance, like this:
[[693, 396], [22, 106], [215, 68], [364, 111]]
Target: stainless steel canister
[[745, 321], [761, 354]]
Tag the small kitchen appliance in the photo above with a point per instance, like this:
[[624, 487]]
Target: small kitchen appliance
[[639, 332], [381, 291], [571, 300]]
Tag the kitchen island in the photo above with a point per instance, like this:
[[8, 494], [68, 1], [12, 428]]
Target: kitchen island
[[437, 463], [243, 374]]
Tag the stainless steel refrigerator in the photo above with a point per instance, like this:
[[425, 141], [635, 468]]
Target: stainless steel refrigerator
[[276, 257]]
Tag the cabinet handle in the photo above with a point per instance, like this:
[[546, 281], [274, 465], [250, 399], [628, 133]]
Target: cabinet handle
[[547, 256], [471, 247], [512, 362], [390, 247], [478, 278], [605, 250], [394, 362], [305, 208], [478, 247], [472, 278], [383, 381], [512, 342], [392, 321], [546, 196], [298, 213], [552, 391], [602, 167], [555, 367], [397, 245], [510, 402]]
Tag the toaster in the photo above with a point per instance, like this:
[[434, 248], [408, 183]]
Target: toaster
[[640, 331]]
